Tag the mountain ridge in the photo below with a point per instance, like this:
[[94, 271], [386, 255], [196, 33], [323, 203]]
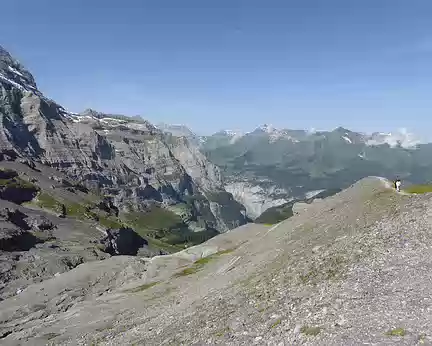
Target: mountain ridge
[[269, 167]]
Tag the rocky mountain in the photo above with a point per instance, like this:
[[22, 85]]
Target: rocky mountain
[[349, 269], [127, 158], [269, 167], [181, 131], [81, 187]]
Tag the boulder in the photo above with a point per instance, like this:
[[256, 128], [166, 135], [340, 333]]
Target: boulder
[[123, 241], [14, 239]]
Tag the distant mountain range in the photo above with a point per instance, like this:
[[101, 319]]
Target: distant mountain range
[[269, 167]]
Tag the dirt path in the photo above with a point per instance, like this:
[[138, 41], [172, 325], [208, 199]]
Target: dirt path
[[389, 185]]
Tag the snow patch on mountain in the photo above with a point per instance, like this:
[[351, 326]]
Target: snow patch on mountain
[[313, 193], [14, 70], [401, 138], [347, 139]]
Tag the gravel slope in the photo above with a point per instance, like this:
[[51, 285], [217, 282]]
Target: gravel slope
[[347, 271]]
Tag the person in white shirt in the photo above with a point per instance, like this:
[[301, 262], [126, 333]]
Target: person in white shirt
[[398, 184]]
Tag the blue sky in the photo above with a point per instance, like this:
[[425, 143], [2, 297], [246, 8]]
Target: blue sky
[[365, 65]]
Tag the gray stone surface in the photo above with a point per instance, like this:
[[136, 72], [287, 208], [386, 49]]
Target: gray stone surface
[[352, 269]]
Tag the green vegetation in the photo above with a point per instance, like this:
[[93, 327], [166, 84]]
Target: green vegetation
[[418, 189], [158, 244], [275, 214], [166, 226], [45, 200], [276, 323], [17, 182], [15, 189], [203, 261], [110, 222], [154, 219], [43, 236], [188, 271], [142, 287], [76, 210], [396, 332], [312, 331], [199, 264]]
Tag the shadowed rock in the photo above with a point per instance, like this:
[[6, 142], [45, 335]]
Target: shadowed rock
[[13, 239], [123, 241]]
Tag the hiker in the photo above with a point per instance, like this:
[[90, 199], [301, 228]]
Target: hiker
[[398, 184]]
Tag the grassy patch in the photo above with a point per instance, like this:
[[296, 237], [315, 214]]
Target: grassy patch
[[142, 287], [46, 201], [43, 235], [203, 261], [188, 271], [110, 222], [157, 244], [418, 189], [396, 332], [166, 226], [17, 182], [75, 209], [276, 323], [199, 264], [154, 219], [310, 331], [275, 214]]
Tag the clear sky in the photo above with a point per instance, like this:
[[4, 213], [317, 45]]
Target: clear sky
[[213, 64]]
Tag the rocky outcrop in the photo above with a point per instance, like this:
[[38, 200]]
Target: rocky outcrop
[[257, 198], [15, 239], [126, 158], [123, 241]]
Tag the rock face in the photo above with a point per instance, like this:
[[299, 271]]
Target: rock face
[[126, 158], [76, 188], [257, 197], [123, 241]]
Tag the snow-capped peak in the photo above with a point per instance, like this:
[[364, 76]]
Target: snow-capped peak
[[268, 128], [401, 138]]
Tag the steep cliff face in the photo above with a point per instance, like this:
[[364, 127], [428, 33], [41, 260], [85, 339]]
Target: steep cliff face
[[126, 158]]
